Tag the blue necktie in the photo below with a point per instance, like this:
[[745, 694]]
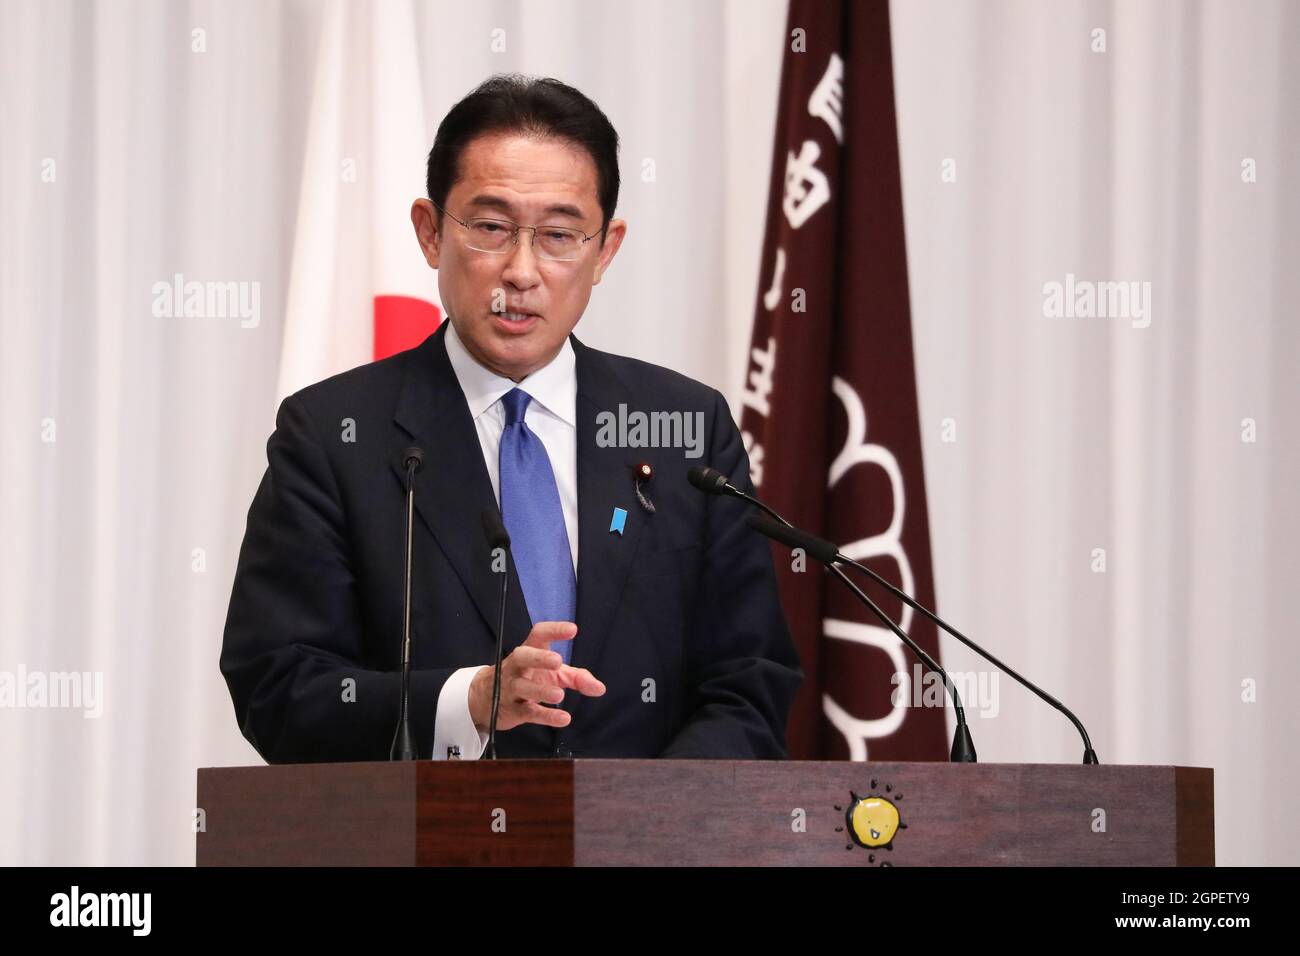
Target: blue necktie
[[530, 507]]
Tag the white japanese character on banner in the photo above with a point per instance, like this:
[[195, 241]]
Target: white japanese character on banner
[[806, 187], [772, 297], [760, 379], [827, 100]]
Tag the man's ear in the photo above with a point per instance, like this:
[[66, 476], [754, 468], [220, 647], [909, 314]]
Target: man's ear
[[425, 220], [613, 239]]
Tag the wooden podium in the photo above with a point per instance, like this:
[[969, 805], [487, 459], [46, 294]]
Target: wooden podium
[[704, 813]]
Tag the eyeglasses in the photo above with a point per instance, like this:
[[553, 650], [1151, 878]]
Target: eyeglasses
[[498, 236]]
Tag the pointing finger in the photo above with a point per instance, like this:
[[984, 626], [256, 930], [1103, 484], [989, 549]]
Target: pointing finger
[[546, 631], [550, 716], [528, 656], [530, 690], [581, 680]]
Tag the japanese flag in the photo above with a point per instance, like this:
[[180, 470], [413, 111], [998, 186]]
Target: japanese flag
[[359, 288]]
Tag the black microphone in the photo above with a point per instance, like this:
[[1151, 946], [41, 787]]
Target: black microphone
[[497, 537], [817, 548], [714, 482], [963, 748], [827, 553], [403, 747]]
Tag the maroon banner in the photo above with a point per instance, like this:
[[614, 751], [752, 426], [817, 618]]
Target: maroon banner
[[829, 411]]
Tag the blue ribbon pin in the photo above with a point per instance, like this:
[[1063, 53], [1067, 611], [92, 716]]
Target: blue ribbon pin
[[618, 520]]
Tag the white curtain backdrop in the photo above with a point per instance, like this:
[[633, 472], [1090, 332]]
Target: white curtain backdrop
[[139, 141], [1075, 434]]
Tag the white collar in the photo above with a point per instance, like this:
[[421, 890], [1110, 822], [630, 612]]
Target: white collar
[[554, 386]]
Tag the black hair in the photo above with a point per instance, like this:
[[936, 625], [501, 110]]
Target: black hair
[[535, 106]]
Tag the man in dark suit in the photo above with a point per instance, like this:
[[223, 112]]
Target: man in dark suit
[[643, 618]]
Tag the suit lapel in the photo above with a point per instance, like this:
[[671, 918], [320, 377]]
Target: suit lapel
[[452, 489], [605, 482]]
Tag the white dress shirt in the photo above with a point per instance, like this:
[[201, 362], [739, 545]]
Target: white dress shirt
[[552, 417]]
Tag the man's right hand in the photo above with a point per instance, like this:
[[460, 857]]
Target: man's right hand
[[532, 675]]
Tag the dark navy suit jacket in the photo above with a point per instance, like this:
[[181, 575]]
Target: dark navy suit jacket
[[679, 616]]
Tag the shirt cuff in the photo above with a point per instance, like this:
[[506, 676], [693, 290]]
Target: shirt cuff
[[452, 724]]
